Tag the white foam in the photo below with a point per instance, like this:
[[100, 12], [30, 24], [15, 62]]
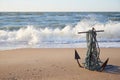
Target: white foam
[[28, 34], [111, 30], [31, 36]]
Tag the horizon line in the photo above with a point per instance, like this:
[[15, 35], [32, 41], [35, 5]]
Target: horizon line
[[59, 11]]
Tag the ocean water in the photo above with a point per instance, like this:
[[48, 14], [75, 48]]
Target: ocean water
[[57, 29]]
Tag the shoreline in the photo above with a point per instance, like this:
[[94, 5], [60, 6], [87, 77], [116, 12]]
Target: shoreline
[[58, 48]]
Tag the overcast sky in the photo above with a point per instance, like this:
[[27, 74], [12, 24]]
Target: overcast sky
[[60, 5]]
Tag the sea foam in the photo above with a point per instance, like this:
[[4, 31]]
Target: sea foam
[[36, 36]]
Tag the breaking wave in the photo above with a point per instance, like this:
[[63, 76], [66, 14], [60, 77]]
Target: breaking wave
[[36, 36]]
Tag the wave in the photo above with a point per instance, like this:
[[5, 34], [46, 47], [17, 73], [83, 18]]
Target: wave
[[31, 35], [111, 29]]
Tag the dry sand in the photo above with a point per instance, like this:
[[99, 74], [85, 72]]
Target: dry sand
[[55, 64]]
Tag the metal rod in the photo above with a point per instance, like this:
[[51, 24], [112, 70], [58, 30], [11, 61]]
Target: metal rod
[[88, 31]]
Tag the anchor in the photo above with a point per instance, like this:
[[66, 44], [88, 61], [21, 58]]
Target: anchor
[[92, 60]]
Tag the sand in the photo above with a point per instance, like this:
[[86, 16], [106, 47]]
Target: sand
[[55, 64]]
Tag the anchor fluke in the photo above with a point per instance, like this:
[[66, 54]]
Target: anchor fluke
[[77, 57], [104, 65]]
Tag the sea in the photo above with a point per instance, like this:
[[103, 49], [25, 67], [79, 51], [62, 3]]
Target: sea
[[57, 29]]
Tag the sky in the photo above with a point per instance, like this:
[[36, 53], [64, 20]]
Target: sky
[[60, 5]]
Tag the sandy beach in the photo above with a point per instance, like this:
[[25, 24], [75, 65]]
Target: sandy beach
[[55, 64]]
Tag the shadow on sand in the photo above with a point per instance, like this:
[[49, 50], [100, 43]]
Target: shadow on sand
[[113, 69]]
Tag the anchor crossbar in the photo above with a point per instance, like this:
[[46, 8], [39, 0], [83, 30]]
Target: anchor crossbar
[[88, 31]]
